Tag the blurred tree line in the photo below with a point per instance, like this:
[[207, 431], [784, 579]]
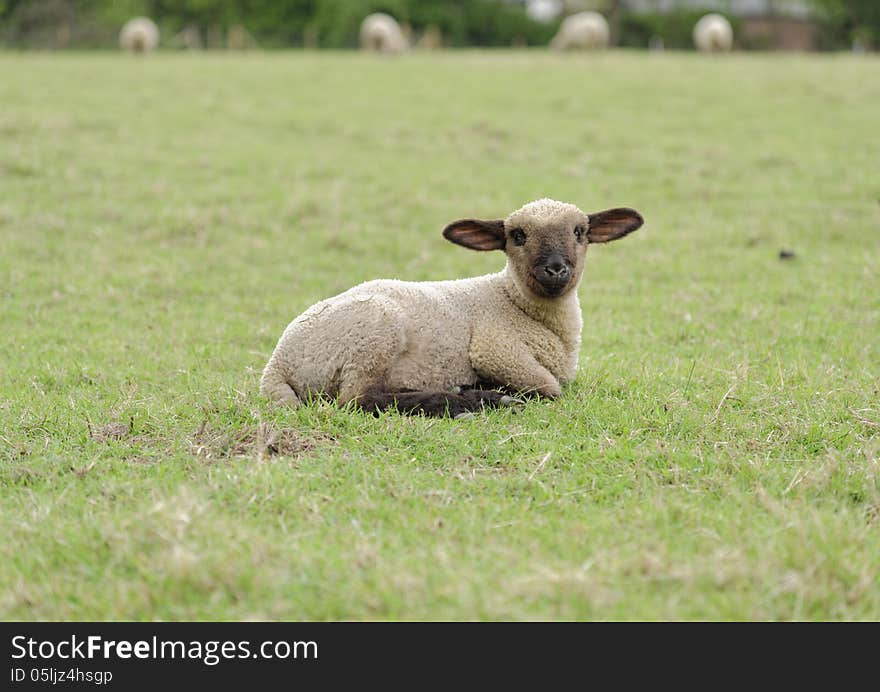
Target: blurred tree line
[[849, 22], [271, 23], [334, 23]]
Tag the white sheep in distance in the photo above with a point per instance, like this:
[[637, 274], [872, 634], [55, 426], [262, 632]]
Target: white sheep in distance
[[713, 34], [428, 347], [582, 31], [380, 32], [139, 35]]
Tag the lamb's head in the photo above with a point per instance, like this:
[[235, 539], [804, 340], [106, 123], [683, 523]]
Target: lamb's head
[[545, 241]]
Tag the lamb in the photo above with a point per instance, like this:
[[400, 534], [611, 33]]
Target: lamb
[[582, 31], [380, 32], [430, 347], [139, 35], [713, 34]]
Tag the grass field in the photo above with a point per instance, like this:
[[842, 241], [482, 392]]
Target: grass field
[[162, 220]]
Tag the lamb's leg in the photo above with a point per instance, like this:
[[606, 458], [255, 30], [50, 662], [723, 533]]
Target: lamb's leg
[[503, 360], [435, 404], [274, 385]]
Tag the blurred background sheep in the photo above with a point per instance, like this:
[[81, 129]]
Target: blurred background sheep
[[713, 34], [582, 31], [381, 33], [139, 35]]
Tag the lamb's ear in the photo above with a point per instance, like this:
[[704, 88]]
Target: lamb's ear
[[476, 234], [612, 224]]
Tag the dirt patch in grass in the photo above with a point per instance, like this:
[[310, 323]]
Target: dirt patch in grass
[[124, 433], [259, 441], [110, 431]]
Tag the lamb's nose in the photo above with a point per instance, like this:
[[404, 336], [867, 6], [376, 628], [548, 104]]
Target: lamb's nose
[[557, 269]]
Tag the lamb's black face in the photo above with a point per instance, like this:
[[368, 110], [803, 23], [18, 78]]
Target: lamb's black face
[[547, 255]]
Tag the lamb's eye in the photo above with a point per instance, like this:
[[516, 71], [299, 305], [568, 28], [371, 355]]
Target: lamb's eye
[[518, 236], [580, 233]]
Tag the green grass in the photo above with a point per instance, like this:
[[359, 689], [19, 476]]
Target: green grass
[[161, 221]]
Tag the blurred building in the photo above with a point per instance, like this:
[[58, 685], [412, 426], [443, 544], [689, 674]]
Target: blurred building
[[738, 8]]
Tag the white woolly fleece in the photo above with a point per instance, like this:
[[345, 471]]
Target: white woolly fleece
[[139, 35], [713, 34], [583, 30], [380, 32]]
